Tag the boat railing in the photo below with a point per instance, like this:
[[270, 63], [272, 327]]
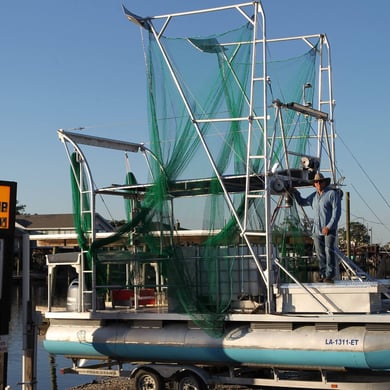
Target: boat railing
[[72, 259]]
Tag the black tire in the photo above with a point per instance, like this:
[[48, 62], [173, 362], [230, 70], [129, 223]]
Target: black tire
[[189, 381], [148, 380]]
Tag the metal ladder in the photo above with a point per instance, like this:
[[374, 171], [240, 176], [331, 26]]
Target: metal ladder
[[87, 274], [86, 191]]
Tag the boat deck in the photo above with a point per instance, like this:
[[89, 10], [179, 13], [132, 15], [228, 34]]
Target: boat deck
[[351, 301]]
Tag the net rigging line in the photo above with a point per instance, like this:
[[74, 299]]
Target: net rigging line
[[371, 182]]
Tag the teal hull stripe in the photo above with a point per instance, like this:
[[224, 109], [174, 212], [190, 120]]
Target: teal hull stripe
[[70, 348], [373, 360]]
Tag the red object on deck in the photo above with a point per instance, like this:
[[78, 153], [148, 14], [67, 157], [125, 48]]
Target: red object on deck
[[125, 297]]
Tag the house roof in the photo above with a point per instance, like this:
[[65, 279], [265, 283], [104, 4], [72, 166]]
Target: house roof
[[46, 221], [57, 221]]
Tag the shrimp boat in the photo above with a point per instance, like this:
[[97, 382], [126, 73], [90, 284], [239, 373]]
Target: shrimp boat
[[209, 281]]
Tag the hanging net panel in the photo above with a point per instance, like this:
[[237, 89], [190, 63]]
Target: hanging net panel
[[198, 107]]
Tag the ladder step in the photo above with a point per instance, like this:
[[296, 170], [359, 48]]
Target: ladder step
[[255, 196], [256, 156], [255, 233], [257, 118], [261, 255]]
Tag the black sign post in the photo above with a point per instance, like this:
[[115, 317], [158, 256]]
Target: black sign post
[[7, 234]]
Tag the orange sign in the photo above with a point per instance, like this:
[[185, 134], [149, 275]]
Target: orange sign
[[5, 197]]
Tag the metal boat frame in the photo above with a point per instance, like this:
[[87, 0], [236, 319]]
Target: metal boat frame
[[325, 136], [327, 315]]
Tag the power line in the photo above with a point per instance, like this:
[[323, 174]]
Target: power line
[[372, 183]]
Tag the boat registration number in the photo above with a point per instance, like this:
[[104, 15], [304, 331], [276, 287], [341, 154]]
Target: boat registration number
[[341, 341]]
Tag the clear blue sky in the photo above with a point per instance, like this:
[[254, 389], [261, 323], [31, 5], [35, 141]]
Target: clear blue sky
[[73, 63]]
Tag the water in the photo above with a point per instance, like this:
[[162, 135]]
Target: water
[[48, 375]]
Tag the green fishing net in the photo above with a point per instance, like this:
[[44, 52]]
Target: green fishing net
[[212, 81]]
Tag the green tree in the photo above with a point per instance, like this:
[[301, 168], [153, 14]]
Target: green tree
[[359, 235], [20, 208]]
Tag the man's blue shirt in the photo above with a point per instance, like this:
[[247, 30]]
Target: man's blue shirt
[[326, 207]]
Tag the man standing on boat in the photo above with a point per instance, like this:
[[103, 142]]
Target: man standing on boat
[[326, 204]]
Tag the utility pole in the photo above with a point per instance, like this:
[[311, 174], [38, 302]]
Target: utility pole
[[29, 324], [7, 234], [348, 225]]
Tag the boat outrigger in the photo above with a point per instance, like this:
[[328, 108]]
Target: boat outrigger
[[237, 120]]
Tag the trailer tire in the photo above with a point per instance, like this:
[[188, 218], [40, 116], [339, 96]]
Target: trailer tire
[[148, 380], [189, 381]]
